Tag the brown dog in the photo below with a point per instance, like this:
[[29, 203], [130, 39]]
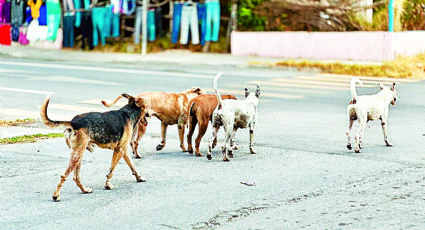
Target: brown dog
[[199, 111], [109, 130], [169, 108]]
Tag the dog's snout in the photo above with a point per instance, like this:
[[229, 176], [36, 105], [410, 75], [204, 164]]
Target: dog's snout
[[147, 115]]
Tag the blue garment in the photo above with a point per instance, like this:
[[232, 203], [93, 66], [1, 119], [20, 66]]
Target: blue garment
[[202, 19], [128, 7], [68, 30], [177, 15], [28, 17], [151, 30], [115, 25], [42, 20], [77, 5], [213, 20]]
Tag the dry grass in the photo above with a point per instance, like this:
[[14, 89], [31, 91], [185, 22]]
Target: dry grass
[[17, 122], [401, 67]]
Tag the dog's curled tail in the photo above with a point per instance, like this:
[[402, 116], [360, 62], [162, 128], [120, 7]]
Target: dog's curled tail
[[46, 120], [112, 103], [354, 80], [217, 94]]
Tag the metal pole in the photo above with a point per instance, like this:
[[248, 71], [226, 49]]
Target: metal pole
[[391, 16], [144, 27]]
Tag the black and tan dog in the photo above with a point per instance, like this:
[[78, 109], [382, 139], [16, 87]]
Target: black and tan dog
[[110, 130]]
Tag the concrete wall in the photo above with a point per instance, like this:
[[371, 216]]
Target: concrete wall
[[358, 46]]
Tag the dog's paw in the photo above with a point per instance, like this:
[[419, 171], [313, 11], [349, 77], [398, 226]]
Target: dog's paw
[[389, 144], [109, 186], [357, 151], [225, 159], [198, 154], [137, 156], [141, 179], [209, 157], [230, 154], [159, 147], [87, 190], [57, 197], [190, 151], [349, 147], [252, 150]]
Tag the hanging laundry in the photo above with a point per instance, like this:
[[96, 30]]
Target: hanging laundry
[[150, 25], [5, 12], [23, 35], [189, 17], [202, 19], [28, 17], [1, 9], [68, 30], [213, 20], [35, 8], [78, 15], [102, 22], [158, 22], [53, 18], [36, 32], [128, 7], [5, 38], [177, 14], [17, 13]]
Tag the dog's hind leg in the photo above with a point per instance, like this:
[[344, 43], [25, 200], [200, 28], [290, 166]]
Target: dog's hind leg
[[163, 136], [360, 134], [77, 180], [203, 126], [78, 142], [251, 139], [232, 143], [132, 166], [210, 143], [181, 136], [192, 121], [118, 152], [384, 129], [350, 125], [141, 130]]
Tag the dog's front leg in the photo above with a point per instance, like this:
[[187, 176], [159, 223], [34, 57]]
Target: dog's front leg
[[141, 130], [163, 136], [118, 152], [232, 143], [384, 129], [210, 143], [350, 125], [251, 139]]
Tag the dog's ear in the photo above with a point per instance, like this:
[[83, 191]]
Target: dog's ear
[[392, 87], [142, 103], [198, 90], [257, 91], [381, 86], [246, 91], [131, 99]]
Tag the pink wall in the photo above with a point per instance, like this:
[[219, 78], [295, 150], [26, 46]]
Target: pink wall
[[358, 46]]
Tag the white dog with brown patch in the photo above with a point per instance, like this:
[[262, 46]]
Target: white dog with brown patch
[[367, 108], [234, 114]]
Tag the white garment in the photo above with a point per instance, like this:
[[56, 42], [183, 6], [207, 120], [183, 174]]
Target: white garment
[[36, 32], [189, 17]]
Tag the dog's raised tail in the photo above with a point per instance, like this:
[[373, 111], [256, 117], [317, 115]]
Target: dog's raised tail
[[113, 102], [217, 94], [46, 120], [354, 80]]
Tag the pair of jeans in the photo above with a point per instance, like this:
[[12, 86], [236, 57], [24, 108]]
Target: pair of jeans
[[68, 30], [150, 25], [17, 13], [15, 33], [212, 20], [87, 30], [102, 23], [202, 18], [177, 14], [53, 18], [5, 12], [189, 17]]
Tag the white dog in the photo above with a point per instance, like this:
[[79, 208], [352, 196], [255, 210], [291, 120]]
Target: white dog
[[369, 107], [234, 114]]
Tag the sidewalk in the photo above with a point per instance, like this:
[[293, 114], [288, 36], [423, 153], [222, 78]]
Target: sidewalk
[[169, 56]]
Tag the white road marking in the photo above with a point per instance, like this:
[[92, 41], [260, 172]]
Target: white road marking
[[109, 70], [25, 90], [263, 94], [75, 80], [298, 85]]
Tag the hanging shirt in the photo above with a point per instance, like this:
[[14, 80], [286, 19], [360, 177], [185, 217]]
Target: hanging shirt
[[35, 8], [128, 7]]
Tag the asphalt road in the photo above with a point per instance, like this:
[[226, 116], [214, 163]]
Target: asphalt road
[[304, 176]]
